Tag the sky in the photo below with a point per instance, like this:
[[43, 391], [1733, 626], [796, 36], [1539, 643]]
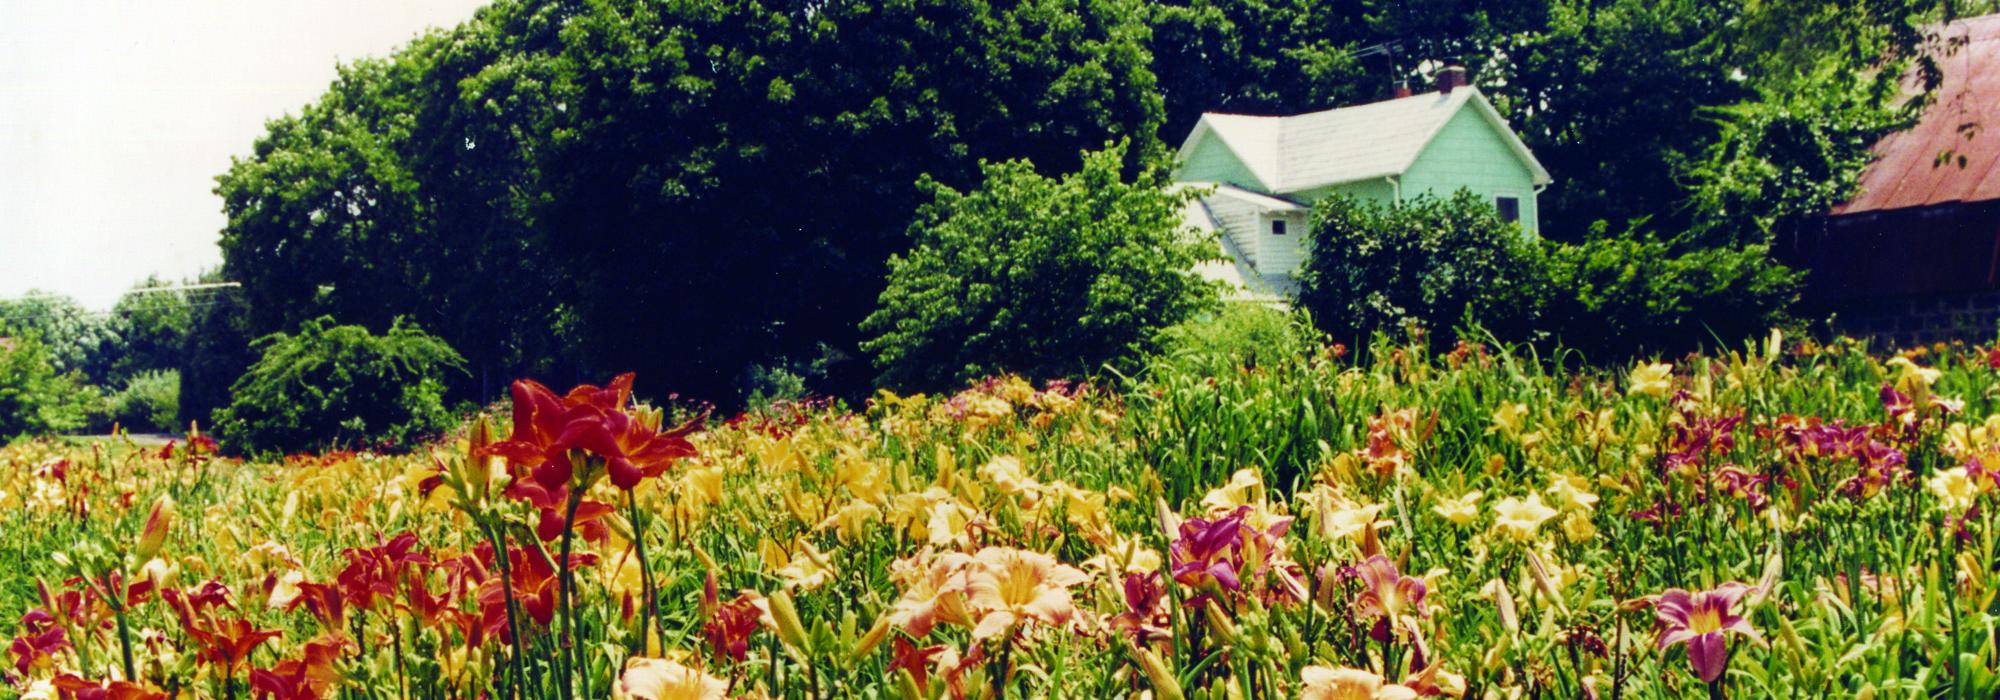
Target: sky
[[116, 116]]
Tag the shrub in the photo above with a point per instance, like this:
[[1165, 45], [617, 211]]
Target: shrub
[[1621, 297], [1236, 337], [331, 385], [1037, 275], [1428, 263], [150, 401], [36, 399]]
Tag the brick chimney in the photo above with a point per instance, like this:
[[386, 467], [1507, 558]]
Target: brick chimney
[[1450, 78]]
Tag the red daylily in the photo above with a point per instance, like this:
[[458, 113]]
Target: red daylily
[[729, 627], [230, 643], [917, 660], [632, 450], [308, 677], [44, 639], [76, 688]]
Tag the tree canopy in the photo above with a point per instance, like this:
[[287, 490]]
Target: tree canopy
[[692, 188]]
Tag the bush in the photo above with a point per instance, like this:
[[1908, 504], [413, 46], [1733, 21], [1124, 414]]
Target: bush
[[335, 385], [35, 398], [150, 402], [1429, 263], [1624, 297], [1041, 276]]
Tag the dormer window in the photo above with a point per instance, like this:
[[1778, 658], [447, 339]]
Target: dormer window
[[1277, 227]]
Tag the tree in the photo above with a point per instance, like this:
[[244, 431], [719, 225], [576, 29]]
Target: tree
[[551, 184], [36, 398], [1048, 277], [154, 319], [1261, 57], [331, 385], [76, 339], [214, 352]]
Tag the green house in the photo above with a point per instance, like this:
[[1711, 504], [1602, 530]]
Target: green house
[[1262, 173]]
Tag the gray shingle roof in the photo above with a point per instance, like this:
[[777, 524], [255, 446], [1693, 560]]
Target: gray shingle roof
[[1348, 144]]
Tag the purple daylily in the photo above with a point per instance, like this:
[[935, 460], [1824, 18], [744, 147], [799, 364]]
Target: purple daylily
[[1209, 550], [1701, 620]]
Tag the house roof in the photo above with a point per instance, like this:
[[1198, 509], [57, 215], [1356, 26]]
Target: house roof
[[1349, 144], [1920, 166]]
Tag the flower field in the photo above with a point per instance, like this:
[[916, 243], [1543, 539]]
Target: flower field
[[1789, 520]]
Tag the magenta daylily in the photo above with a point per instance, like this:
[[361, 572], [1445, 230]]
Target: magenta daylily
[[1209, 551], [1701, 620]]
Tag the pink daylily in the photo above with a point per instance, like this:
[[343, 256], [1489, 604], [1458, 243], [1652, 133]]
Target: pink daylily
[[1701, 620]]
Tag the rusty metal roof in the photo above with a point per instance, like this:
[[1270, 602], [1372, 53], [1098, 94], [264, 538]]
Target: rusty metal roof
[[1921, 166]]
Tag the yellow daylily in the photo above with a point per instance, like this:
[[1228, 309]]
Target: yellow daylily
[[1520, 519]]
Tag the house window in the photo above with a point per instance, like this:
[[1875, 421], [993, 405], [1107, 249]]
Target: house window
[[1510, 207], [1277, 227]]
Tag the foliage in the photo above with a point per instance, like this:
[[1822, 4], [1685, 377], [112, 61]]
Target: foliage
[[76, 339], [214, 352], [1235, 336], [153, 327], [1274, 529], [596, 165], [1050, 277], [149, 402], [1429, 263], [35, 397], [330, 384], [1615, 298]]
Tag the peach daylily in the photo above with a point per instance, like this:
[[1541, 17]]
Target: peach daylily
[[1008, 587], [659, 679], [931, 592], [1329, 683]]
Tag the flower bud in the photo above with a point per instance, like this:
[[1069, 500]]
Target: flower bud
[[785, 616], [1165, 686], [153, 535]]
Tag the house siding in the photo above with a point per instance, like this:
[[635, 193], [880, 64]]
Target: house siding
[[1469, 153], [1212, 161], [1378, 190]]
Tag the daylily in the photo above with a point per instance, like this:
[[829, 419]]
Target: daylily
[[729, 627], [1461, 511], [1209, 551], [632, 450], [1955, 491], [1572, 492], [1008, 588], [1519, 519], [931, 592], [1388, 595], [1701, 620], [647, 678], [1329, 683], [1654, 379]]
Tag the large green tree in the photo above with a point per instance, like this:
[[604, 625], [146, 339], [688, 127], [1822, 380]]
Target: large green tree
[[681, 188]]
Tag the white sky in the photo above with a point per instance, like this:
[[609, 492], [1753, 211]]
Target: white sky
[[116, 116]]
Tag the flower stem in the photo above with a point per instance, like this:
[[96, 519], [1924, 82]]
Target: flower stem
[[571, 655]]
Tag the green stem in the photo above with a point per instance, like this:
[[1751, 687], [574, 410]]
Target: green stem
[[650, 615], [125, 643], [572, 657], [514, 662]]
